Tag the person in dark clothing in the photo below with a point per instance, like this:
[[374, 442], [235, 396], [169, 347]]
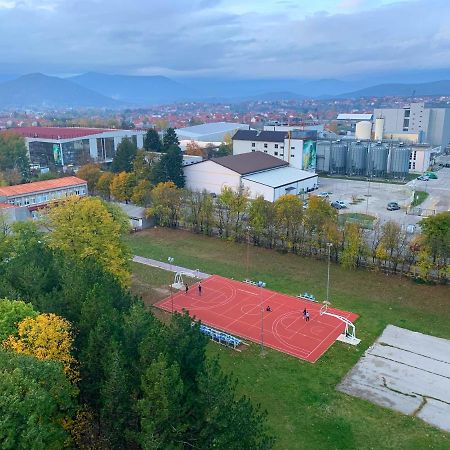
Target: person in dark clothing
[[304, 313], [268, 309], [307, 316], [186, 288], [200, 288]]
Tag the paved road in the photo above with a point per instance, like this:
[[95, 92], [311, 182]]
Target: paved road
[[169, 267]]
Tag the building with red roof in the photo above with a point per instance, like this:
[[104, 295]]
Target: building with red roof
[[21, 201], [72, 147]]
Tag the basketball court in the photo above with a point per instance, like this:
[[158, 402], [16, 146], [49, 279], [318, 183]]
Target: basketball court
[[240, 309]]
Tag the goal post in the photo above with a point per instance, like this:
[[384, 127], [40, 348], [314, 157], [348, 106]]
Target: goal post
[[349, 335], [178, 281]]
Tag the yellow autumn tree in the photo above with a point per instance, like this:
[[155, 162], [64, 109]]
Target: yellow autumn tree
[[85, 227], [46, 337]]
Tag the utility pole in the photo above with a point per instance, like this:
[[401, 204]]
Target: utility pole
[[170, 261], [261, 284], [329, 245]]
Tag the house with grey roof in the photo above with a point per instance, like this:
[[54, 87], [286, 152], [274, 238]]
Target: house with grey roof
[[260, 173]]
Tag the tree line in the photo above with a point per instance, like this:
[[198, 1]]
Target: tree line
[[83, 364], [290, 225]]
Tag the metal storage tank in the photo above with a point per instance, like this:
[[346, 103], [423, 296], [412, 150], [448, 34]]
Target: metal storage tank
[[379, 129], [399, 157], [338, 157], [323, 151], [377, 162], [363, 130], [357, 158]]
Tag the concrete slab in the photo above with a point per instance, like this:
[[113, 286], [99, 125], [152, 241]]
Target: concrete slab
[[405, 371]]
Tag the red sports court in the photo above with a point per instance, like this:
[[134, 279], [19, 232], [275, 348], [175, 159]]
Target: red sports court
[[235, 307]]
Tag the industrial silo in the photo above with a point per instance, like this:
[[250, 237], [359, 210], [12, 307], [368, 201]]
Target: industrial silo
[[323, 151], [399, 157], [363, 130], [377, 161], [379, 128], [357, 158], [338, 157]]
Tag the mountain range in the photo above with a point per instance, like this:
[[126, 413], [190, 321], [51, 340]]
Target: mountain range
[[97, 90]]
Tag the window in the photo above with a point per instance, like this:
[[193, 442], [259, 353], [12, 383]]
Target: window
[[276, 145], [406, 123], [292, 148], [275, 153], [414, 154], [281, 154], [292, 156], [407, 112], [265, 151], [410, 164], [265, 145], [253, 144], [413, 165], [281, 146]]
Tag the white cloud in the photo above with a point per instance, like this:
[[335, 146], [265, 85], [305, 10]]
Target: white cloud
[[221, 37]]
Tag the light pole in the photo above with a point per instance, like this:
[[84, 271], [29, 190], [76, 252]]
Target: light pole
[[261, 284], [170, 261], [329, 245]]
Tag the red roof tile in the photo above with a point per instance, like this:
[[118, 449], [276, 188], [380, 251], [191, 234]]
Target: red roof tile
[[38, 186], [6, 206], [55, 132]]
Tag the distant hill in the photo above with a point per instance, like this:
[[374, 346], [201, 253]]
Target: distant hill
[[140, 90], [402, 90], [42, 91]]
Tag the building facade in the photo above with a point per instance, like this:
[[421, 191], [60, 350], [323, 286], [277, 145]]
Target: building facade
[[260, 173], [22, 201], [73, 147], [297, 148], [432, 125]]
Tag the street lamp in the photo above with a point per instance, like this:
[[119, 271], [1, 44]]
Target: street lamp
[[329, 245], [170, 261], [261, 284]]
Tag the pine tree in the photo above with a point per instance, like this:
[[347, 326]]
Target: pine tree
[[152, 142], [170, 139], [125, 154], [170, 168]]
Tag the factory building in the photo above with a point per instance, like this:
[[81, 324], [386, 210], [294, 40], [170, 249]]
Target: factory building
[[73, 147], [381, 159], [297, 148], [427, 124]]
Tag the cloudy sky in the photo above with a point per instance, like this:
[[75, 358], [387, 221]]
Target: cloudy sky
[[225, 38]]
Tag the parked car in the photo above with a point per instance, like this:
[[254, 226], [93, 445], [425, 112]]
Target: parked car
[[338, 204], [423, 178], [323, 195], [393, 206]]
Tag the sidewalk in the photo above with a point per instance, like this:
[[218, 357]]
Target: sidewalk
[[170, 267]]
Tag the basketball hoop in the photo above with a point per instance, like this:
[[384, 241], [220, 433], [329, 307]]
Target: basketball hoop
[[349, 335], [324, 307]]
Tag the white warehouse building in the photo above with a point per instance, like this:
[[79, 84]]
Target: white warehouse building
[[261, 173]]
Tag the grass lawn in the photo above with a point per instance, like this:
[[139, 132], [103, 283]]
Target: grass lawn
[[304, 409], [419, 198], [364, 220]]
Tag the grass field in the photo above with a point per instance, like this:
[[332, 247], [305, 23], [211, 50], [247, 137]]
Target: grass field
[[305, 410], [364, 220], [419, 198]]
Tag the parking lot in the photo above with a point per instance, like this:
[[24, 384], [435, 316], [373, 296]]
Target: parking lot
[[372, 197]]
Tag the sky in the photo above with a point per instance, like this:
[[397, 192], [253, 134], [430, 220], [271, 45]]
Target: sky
[[305, 39]]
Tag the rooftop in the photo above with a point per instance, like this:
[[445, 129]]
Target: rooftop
[[38, 186], [344, 116], [55, 132], [252, 162], [280, 177], [198, 131], [260, 136]]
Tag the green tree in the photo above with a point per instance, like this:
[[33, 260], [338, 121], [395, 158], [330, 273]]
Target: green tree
[[170, 168], [142, 193], [262, 221], [152, 141], [161, 410], [354, 247], [104, 185], [36, 399], [122, 186], [170, 139], [13, 155], [288, 216], [436, 230], [125, 154], [12, 312], [166, 204], [142, 165], [90, 173], [84, 228]]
